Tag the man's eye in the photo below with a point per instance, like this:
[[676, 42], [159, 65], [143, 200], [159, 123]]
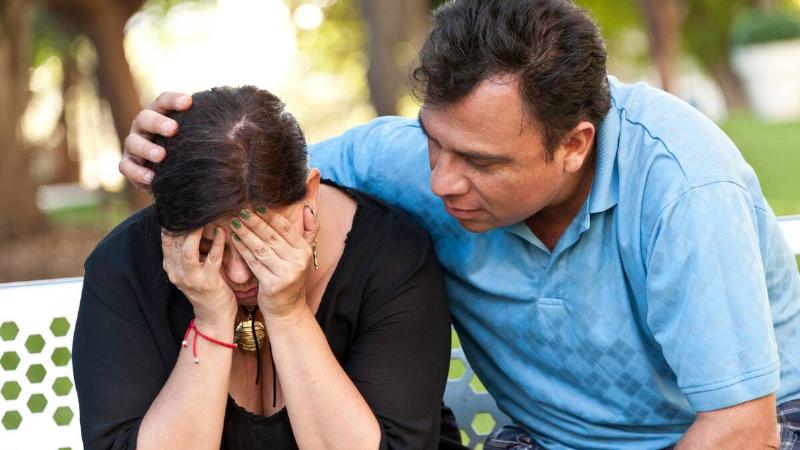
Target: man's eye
[[479, 164]]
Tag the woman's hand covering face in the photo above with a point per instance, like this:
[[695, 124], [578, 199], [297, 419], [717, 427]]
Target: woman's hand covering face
[[279, 254], [199, 279]]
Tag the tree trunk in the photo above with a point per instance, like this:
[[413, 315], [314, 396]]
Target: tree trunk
[[730, 85], [68, 167], [662, 18], [104, 23], [18, 212], [766, 5], [395, 28]]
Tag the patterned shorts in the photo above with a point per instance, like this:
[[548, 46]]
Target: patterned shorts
[[515, 438]]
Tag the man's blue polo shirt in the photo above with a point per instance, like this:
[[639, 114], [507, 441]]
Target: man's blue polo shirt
[[672, 291]]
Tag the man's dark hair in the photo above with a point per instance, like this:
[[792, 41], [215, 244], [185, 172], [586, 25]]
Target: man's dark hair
[[552, 46], [233, 146]]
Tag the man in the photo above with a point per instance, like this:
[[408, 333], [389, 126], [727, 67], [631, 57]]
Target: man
[[616, 276]]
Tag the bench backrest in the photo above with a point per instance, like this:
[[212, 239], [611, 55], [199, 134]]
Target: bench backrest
[[39, 407]]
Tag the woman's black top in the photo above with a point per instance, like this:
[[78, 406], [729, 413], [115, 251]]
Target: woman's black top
[[384, 314]]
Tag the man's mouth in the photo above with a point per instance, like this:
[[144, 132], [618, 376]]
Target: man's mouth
[[460, 213]]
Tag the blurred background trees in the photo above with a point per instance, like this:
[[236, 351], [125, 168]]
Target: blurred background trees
[[75, 72]]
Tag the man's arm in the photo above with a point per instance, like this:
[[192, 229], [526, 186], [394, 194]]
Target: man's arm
[[748, 426], [709, 310]]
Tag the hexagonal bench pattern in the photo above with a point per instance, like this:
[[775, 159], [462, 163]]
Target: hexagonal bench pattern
[[38, 404]]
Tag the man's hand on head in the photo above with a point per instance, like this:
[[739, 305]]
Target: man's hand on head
[[138, 146]]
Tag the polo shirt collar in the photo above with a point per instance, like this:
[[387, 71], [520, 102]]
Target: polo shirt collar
[[605, 186]]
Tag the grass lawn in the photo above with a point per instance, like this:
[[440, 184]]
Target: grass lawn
[[774, 152]]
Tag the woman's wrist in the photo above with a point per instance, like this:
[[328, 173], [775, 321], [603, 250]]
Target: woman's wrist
[[285, 317], [221, 312], [215, 323]]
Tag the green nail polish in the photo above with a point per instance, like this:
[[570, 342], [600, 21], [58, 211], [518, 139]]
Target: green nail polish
[[236, 224], [245, 214], [235, 237], [216, 231], [261, 210]]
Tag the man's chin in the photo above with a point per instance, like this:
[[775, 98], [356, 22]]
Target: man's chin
[[474, 226]]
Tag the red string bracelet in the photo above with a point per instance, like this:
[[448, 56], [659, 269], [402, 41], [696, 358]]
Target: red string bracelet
[[194, 341]]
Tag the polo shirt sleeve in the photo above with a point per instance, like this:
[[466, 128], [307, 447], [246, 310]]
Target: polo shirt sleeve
[[375, 157], [707, 302]]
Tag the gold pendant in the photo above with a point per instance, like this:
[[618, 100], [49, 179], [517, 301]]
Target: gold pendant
[[244, 335]]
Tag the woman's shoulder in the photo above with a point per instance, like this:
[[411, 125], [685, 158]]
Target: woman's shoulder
[[390, 226], [131, 244]]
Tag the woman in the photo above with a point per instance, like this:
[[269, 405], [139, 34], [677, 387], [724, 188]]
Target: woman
[[255, 306]]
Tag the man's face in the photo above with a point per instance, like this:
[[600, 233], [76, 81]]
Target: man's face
[[488, 162]]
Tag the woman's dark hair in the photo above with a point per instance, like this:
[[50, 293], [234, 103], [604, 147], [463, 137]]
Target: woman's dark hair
[[233, 146], [553, 46]]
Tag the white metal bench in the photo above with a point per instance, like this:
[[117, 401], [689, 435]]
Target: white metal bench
[[39, 407]]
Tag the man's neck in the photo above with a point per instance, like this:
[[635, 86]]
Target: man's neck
[[551, 222]]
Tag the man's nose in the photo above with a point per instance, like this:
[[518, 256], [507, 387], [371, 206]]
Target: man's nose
[[447, 176]]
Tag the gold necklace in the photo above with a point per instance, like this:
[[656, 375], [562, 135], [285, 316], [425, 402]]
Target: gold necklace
[[250, 334]]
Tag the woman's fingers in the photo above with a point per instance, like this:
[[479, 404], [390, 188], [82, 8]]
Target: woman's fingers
[[264, 234], [166, 248], [171, 245], [214, 256], [286, 228], [276, 223], [190, 250], [262, 271], [264, 251]]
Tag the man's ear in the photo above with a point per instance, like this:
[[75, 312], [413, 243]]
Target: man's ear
[[577, 146]]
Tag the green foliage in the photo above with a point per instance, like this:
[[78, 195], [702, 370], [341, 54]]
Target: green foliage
[[755, 26], [336, 46], [613, 17], [707, 27], [51, 36]]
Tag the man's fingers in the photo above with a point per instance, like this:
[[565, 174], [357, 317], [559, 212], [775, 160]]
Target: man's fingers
[[148, 123], [170, 101], [214, 257], [142, 148], [135, 172]]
